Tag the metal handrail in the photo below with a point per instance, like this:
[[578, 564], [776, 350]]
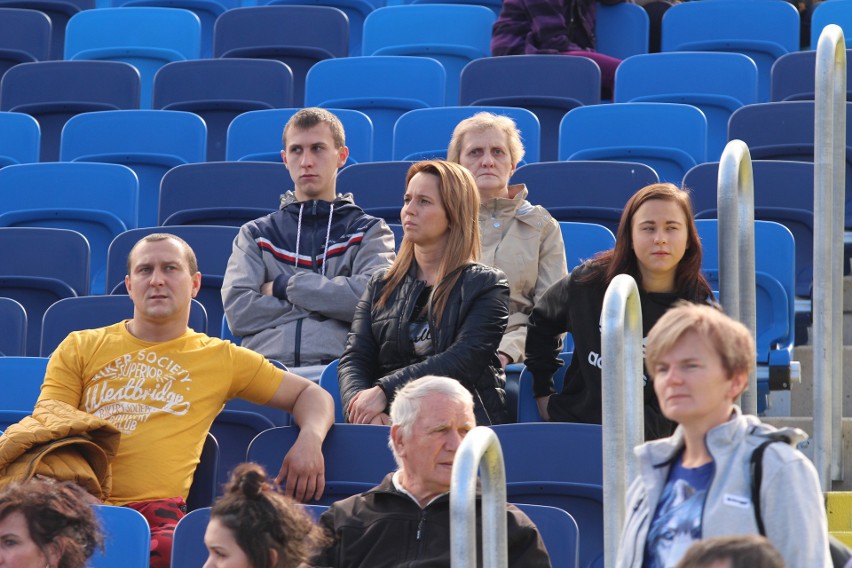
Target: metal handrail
[[480, 450], [829, 206], [737, 288], [622, 402]]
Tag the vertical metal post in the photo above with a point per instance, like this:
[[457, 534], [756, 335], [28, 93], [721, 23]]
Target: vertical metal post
[[829, 205], [480, 450], [737, 288], [623, 402]]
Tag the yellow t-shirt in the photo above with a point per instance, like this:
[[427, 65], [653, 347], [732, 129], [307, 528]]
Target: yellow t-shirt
[[162, 396]]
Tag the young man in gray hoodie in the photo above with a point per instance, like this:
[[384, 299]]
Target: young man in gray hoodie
[[295, 275]]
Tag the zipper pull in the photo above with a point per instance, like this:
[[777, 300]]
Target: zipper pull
[[420, 526]]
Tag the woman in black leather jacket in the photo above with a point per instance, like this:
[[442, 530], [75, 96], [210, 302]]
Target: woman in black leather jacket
[[435, 311]]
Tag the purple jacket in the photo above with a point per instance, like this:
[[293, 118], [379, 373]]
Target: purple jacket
[[545, 26]]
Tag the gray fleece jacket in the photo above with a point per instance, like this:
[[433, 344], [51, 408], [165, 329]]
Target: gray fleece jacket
[[791, 499], [319, 256]]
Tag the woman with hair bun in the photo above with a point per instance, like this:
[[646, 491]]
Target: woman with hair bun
[[255, 526], [47, 523]]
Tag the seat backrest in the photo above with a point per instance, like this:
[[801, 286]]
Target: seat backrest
[[584, 240], [21, 379], [20, 137], [98, 200], [838, 13], [426, 132], [621, 30], [39, 266], [87, 312], [527, 410], [585, 191], [383, 87], [127, 538], [793, 76], [257, 135], [212, 246], [188, 550], [547, 85], [559, 532], [205, 481], [356, 11], [53, 91], [221, 193], [785, 131], [299, 36], [453, 34], [762, 29], [717, 83], [146, 37], [13, 328], [357, 456], [24, 37], [328, 381], [671, 138], [218, 90], [783, 192], [378, 187], [58, 11], [150, 142], [234, 430]]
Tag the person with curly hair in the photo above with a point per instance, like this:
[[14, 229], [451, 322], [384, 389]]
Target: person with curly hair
[[46, 523], [255, 526]]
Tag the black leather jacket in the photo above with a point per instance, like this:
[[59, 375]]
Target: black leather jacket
[[378, 349]]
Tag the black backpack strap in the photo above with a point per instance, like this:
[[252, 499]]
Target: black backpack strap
[[756, 467]]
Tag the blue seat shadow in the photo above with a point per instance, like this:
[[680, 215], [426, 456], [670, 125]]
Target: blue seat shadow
[[13, 328], [24, 37], [558, 530], [205, 481], [793, 76]]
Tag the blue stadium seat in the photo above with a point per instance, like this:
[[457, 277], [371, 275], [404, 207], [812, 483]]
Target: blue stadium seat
[[426, 132], [24, 37], [398, 234], [558, 530], [762, 29], [453, 34], [234, 430], [547, 85], [221, 193], [378, 187], [13, 328], [229, 335], [775, 285], [206, 10], [493, 5], [585, 191], [299, 36], [382, 86], [671, 138], [59, 12], [20, 380], [717, 83], [188, 550], [328, 381], [205, 482], [357, 456], [584, 240], [258, 135], [39, 266], [785, 131], [98, 200], [356, 11], [145, 37], [150, 142], [20, 138], [218, 90], [9, 417], [127, 538], [212, 246], [570, 478], [824, 13], [53, 91], [527, 407], [793, 76], [622, 30], [88, 312]]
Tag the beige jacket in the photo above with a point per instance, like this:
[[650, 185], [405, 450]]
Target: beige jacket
[[525, 242], [61, 442]]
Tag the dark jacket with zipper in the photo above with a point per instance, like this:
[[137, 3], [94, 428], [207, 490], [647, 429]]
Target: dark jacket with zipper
[[386, 528], [379, 348]]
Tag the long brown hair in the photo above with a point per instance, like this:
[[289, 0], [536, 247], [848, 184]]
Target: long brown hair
[[689, 281], [460, 200]]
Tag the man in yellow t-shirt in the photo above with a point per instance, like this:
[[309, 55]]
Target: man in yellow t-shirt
[[162, 384]]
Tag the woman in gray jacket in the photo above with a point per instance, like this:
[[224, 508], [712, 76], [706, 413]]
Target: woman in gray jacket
[[697, 483]]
